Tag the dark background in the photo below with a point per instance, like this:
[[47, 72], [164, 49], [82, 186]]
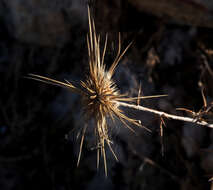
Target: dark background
[[39, 123]]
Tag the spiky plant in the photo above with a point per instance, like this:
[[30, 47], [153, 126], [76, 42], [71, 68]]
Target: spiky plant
[[99, 93]]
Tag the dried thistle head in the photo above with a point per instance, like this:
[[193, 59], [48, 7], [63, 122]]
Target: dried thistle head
[[99, 93]]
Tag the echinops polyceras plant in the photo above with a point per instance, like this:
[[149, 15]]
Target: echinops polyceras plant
[[99, 94]]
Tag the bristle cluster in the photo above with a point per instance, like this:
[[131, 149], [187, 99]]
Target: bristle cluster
[[100, 93], [100, 96]]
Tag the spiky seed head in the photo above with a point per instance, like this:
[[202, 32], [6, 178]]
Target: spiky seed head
[[100, 96]]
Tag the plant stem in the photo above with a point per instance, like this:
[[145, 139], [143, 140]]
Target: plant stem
[[166, 115]]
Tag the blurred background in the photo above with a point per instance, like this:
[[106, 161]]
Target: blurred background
[[172, 53]]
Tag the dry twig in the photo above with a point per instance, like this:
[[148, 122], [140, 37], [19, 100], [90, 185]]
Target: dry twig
[[170, 116]]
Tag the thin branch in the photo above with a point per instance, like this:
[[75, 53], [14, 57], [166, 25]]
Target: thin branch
[[161, 113]]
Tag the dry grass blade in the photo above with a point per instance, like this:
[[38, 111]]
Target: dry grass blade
[[131, 99], [53, 82], [139, 94], [81, 144], [204, 98], [162, 124], [187, 110]]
